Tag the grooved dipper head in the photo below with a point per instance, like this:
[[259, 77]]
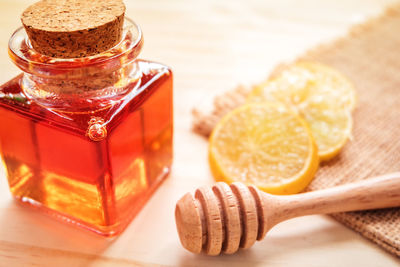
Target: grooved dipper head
[[188, 223], [220, 219]]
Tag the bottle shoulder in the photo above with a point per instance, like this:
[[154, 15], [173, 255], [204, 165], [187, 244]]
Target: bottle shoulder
[[153, 77], [152, 68]]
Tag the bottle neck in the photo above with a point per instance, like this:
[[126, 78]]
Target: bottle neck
[[79, 84], [84, 93]]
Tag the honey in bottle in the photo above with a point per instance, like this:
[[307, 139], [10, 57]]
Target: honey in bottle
[[86, 129]]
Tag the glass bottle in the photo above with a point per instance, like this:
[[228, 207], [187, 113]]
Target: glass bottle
[[87, 140]]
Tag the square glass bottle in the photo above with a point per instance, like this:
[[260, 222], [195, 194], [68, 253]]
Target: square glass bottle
[[87, 140]]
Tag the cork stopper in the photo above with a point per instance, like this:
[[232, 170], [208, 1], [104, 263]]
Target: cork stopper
[[74, 28]]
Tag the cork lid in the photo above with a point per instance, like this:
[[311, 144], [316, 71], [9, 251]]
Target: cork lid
[[74, 28]]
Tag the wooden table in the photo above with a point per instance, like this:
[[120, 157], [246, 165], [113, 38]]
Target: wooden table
[[211, 46]]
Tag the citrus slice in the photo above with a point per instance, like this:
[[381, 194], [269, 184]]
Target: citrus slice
[[319, 94], [331, 128], [308, 82], [266, 145]]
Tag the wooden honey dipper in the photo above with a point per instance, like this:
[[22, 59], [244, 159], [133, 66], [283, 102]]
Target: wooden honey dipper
[[224, 218]]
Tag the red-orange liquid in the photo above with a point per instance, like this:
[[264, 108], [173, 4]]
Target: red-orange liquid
[[52, 164]]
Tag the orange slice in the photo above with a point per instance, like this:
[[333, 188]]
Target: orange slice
[[266, 145], [320, 95]]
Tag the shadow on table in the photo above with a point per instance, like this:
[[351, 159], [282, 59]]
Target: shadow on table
[[273, 249], [22, 225]]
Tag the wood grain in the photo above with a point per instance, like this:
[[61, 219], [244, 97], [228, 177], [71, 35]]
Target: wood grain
[[211, 46], [13, 254]]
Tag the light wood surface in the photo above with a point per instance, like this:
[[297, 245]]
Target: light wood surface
[[222, 218], [211, 46]]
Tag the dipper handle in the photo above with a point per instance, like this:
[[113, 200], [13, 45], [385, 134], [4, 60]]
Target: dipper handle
[[373, 193], [224, 218]]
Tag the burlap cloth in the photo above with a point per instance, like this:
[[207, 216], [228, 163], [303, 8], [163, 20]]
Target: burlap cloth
[[370, 56]]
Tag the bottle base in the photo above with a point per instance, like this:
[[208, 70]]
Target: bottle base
[[105, 231]]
